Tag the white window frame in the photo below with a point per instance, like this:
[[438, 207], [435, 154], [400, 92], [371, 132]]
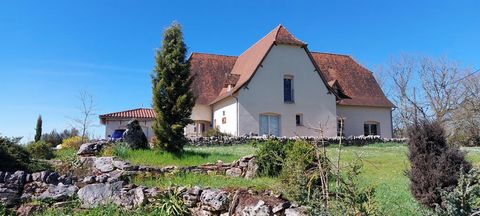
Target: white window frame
[[292, 89], [370, 123], [269, 115]]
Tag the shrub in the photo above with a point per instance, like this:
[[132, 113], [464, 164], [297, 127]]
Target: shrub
[[435, 165], [170, 203], [119, 149], [463, 199], [135, 137], [40, 150], [215, 132], [15, 157], [297, 174], [73, 142], [270, 156]]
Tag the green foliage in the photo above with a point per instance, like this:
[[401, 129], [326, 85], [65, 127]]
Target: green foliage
[[298, 173], [38, 129], [40, 150], [73, 142], [463, 200], [270, 157], [55, 138], [169, 203], [215, 132], [3, 210], [15, 157], [172, 97], [135, 137], [119, 149], [353, 199]]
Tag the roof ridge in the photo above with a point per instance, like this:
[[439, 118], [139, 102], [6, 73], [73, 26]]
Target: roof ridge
[[127, 111], [203, 53], [328, 53]]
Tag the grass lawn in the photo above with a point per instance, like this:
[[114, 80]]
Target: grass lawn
[[192, 156], [384, 166]]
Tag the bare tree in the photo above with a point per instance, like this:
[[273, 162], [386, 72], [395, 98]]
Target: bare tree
[[440, 85], [87, 109]]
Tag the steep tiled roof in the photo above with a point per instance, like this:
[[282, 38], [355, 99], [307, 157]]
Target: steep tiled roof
[[140, 113], [210, 73], [356, 81]]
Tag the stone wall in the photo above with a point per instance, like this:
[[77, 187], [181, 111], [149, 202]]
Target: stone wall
[[349, 141]]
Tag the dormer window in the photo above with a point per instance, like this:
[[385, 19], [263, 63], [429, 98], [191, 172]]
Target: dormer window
[[288, 91]]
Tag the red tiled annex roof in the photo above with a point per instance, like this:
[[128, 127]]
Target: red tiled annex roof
[[140, 113], [356, 81]]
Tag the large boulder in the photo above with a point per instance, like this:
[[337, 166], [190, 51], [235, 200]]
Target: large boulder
[[98, 194], [251, 170], [135, 137], [234, 172], [214, 200]]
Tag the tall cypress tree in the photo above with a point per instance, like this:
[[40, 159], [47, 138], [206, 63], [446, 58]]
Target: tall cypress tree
[[38, 129], [172, 98]]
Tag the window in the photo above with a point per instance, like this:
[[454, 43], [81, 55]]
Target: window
[[370, 128], [270, 125], [202, 127], [340, 127], [299, 119], [288, 89]]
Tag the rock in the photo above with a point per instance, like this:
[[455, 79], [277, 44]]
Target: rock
[[300, 211], [102, 178], [95, 194], [52, 178], [89, 180], [280, 207], [9, 195], [17, 178], [115, 176], [123, 165], [195, 190], [129, 198], [44, 175], [58, 192], [2, 176], [139, 196], [234, 172], [104, 164], [28, 178], [260, 209], [89, 149], [28, 209], [214, 200], [252, 168], [36, 176], [192, 196]]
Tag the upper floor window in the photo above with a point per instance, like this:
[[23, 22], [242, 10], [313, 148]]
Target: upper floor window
[[288, 89], [370, 128]]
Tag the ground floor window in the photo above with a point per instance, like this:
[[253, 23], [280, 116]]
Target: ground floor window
[[340, 127], [370, 128], [270, 124]]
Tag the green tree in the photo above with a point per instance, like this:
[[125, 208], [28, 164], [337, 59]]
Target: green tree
[[38, 129], [172, 97]]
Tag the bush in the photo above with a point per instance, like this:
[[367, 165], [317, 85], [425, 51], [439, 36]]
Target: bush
[[270, 156], [135, 137], [297, 174], [15, 157], [40, 150], [463, 199], [215, 132], [119, 149], [73, 142], [435, 166]]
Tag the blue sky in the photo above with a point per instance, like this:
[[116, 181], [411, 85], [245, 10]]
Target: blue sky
[[52, 50]]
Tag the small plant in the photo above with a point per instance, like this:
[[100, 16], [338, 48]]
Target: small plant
[[270, 157], [40, 150], [170, 203], [73, 142], [135, 137], [463, 199]]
